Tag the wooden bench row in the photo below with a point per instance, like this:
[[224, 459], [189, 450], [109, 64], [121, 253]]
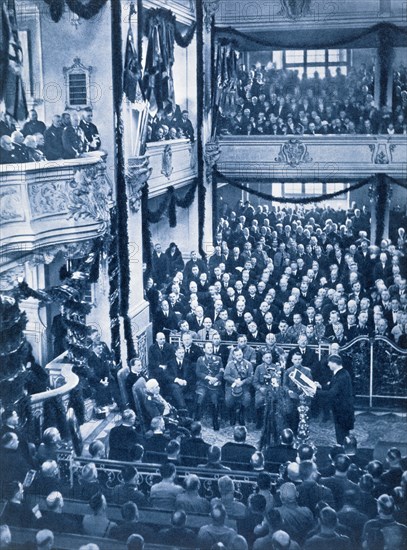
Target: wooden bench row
[[67, 541], [150, 516]]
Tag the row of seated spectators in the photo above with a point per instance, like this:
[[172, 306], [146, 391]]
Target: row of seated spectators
[[347, 501], [69, 136], [278, 102], [170, 124], [273, 268]]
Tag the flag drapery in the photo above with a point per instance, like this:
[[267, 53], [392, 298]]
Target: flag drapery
[[132, 85], [11, 64], [158, 80]]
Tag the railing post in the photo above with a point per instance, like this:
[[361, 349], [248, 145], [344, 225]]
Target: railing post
[[371, 374]]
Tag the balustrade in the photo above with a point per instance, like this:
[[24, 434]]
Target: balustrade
[[45, 204], [319, 158]]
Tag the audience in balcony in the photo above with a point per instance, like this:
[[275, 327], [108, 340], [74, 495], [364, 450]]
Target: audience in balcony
[[69, 136], [170, 124], [279, 102]]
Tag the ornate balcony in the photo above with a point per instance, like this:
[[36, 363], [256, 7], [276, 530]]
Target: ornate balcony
[[320, 158], [48, 203], [171, 163]]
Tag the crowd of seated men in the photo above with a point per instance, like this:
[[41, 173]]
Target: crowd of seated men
[[68, 137], [170, 123], [276, 277], [342, 499], [272, 101]]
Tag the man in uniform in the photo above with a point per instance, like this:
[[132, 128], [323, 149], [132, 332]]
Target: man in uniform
[[238, 377], [262, 379], [209, 374]]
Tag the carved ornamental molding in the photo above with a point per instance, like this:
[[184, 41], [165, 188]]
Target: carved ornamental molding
[[87, 195], [11, 209], [382, 152], [294, 9], [70, 251], [9, 278], [166, 162], [210, 8], [138, 173], [211, 157], [293, 152]]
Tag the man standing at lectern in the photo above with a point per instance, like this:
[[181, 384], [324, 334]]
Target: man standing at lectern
[[340, 396]]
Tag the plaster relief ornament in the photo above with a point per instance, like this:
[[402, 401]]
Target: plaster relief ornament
[[293, 153]]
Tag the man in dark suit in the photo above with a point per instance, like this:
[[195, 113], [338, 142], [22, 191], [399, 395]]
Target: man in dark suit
[[156, 441], [236, 454], [340, 396], [165, 320], [53, 148], [176, 376], [90, 130], [159, 353], [73, 139], [309, 357], [194, 449], [160, 266], [123, 438]]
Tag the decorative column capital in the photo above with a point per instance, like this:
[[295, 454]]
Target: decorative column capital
[[138, 173], [210, 8]]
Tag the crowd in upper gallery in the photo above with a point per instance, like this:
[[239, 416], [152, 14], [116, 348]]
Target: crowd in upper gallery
[[272, 101], [170, 123], [286, 272], [69, 136]]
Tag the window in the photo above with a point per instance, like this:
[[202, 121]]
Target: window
[[77, 89], [77, 83], [309, 61], [290, 188], [313, 188]]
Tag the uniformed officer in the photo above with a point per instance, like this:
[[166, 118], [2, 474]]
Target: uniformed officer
[[238, 377], [266, 374], [209, 374]]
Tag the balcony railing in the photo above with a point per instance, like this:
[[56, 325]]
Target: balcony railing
[[53, 202], [320, 158], [172, 163]]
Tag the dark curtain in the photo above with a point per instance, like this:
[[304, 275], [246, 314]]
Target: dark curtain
[[158, 80], [324, 38]]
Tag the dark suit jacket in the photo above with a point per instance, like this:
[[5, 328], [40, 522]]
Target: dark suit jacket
[[121, 440], [159, 357], [160, 267], [194, 451], [237, 455], [163, 323], [73, 141], [340, 397]]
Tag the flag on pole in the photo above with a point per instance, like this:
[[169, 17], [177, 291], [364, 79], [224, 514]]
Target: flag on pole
[[11, 64], [132, 72]]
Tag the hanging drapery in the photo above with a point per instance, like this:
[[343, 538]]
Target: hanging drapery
[[161, 31], [85, 11], [324, 38], [301, 200], [132, 84], [11, 63], [225, 94]]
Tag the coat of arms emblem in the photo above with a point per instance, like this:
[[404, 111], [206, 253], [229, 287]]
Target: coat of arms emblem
[[293, 152]]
